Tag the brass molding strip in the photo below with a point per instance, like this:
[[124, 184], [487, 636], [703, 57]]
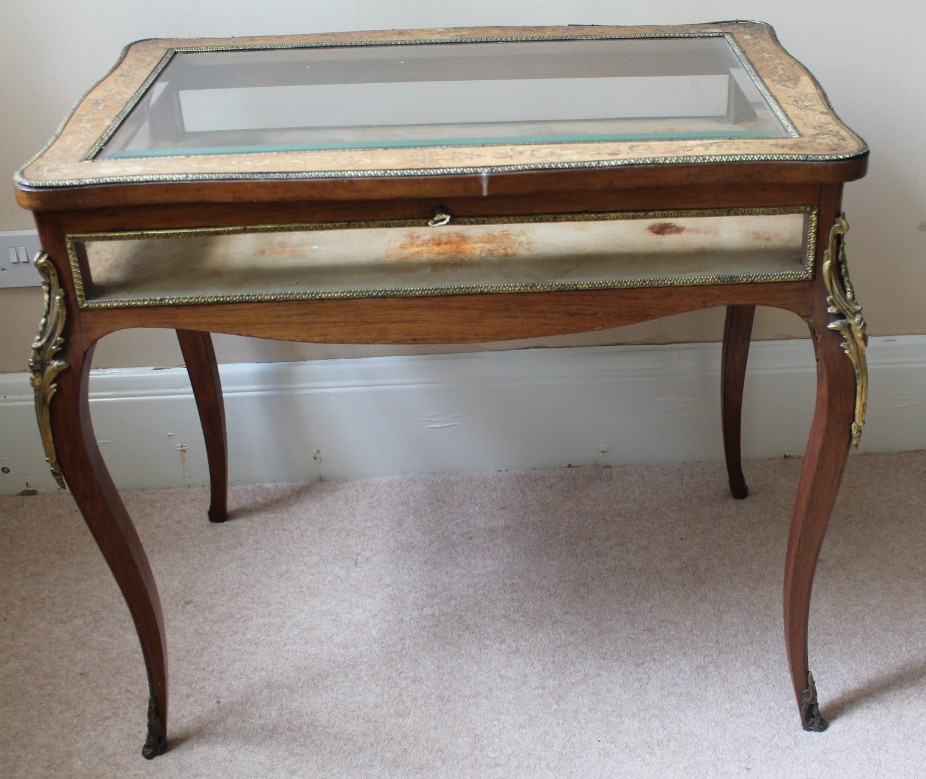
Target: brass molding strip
[[738, 52], [841, 300], [43, 365], [74, 241], [792, 93]]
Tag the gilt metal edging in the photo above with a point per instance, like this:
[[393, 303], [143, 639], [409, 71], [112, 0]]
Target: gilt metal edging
[[85, 299], [170, 54], [841, 300], [44, 367]]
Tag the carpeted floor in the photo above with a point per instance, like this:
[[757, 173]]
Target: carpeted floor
[[583, 622]]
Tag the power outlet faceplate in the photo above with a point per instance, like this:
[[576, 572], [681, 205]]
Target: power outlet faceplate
[[17, 250]]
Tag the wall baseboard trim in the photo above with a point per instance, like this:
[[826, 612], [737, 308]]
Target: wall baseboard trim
[[536, 408]]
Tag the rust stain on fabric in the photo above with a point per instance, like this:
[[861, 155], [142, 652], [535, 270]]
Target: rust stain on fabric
[[666, 228], [450, 245], [279, 249]]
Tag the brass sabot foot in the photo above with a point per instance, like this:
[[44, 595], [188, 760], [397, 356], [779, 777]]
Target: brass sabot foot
[[811, 719], [156, 742]]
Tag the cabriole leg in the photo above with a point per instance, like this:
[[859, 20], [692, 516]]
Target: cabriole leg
[[60, 378], [199, 356], [838, 333], [737, 332]]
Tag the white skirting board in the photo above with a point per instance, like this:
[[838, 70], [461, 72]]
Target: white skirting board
[[538, 408]]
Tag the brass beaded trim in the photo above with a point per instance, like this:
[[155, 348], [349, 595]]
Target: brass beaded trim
[[21, 179], [169, 56], [74, 241]]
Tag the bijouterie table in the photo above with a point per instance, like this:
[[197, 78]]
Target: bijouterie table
[[443, 186]]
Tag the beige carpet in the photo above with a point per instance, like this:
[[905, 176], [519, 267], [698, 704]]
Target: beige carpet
[[576, 623]]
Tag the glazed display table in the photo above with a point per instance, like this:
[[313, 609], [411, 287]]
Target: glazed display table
[[443, 186]]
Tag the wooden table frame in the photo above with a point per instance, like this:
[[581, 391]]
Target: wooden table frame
[[64, 347]]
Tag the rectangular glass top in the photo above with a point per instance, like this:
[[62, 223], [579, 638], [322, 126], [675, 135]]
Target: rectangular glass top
[[446, 94]]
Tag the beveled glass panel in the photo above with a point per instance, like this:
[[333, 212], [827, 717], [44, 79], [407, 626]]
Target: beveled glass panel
[[445, 94], [413, 259]]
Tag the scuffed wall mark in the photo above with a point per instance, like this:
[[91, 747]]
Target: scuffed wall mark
[[183, 449], [902, 400], [318, 464], [438, 420]]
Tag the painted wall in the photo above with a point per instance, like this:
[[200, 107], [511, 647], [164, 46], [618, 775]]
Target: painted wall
[[869, 56]]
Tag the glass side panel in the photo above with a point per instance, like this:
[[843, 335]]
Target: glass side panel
[[440, 94], [405, 259]]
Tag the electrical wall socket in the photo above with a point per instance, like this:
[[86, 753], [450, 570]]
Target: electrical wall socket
[[17, 250]]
